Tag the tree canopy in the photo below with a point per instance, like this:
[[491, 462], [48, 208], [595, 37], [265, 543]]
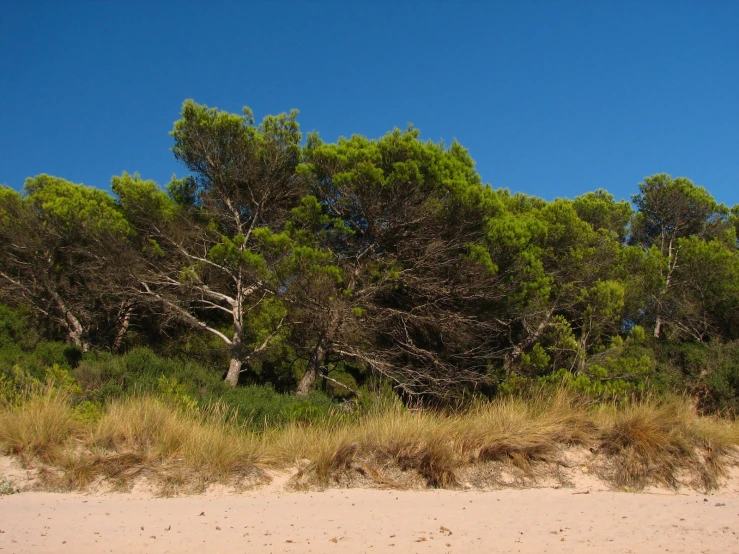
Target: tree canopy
[[304, 263]]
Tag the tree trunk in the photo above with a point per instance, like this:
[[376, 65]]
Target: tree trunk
[[237, 360], [658, 327], [671, 265], [234, 367], [582, 356], [122, 330], [75, 335], [513, 356], [75, 331], [311, 373], [72, 324], [234, 370]]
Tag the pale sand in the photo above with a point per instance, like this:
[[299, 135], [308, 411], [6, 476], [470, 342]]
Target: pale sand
[[364, 520]]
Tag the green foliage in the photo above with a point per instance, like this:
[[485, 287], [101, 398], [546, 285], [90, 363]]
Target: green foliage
[[175, 393], [621, 370], [183, 192], [709, 372], [233, 138], [605, 300], [15, 329], [10, 205], [35, 361], [601, 211], [9, 393], [231, 253], [669, 209], [31, 367], [537, 359], [310, 221], [103, 376], [481, 255], [139, 199], [722, 384], [359, 258], [188, 386], [261, 407], [73, 206], [61, 378], [7, 487], [88, 411]]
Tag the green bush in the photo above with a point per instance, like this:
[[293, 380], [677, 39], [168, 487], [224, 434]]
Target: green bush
[[15, 330], [722, 385], [623, 369], [88, 411], [261, 406], [104, 375], [188, 385], [707, 371], [21, 347]]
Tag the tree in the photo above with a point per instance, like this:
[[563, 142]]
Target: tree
[[669, 210], [55, 245], [734, 219], [704, 296], [208, 246], [313, 287], [562, 258], [404, 222]]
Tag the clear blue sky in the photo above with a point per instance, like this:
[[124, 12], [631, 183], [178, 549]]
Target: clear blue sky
[[552, 98]]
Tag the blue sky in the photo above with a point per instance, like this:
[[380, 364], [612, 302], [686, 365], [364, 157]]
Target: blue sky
[[552, 98]]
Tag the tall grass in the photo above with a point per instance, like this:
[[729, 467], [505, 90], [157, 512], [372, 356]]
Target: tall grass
[[658, 442], [631, 445], [39, 426]]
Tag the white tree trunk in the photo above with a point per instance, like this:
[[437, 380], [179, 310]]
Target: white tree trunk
[[234, 370], [311, 373], [122, 330]]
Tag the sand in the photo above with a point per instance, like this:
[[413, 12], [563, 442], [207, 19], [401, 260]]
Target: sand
[[583, 516], [363, 520]]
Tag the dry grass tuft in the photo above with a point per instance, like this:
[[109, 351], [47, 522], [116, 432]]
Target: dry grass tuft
[[135, 436], [663, 442], [510, 442], [413, 441], [208, 446], [435, 447], [717, 442], [533, 430], [38, 427], [78, 469]]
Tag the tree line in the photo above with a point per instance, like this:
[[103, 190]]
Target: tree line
[[387, 257]]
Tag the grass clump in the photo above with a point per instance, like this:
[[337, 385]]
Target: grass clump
[[205, 446], [7, 487], [37, 427], [436, 447], [662, 442], [535, 428], [134, 436], [183, 447]]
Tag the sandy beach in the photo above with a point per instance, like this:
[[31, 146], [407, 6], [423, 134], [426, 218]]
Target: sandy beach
[[360, 520]]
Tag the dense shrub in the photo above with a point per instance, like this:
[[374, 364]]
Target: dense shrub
[[261, 406], [708, 371], [26, 359], [188, 384], [15, 330], [623, 369]]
